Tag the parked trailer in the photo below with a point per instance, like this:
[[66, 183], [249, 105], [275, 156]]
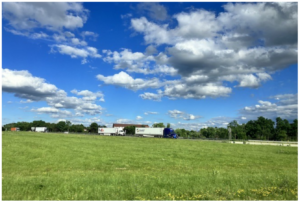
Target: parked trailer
[[39, 129], [15, 129], [156, 132]]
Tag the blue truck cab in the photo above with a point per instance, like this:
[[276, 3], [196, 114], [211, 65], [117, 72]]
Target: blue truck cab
[[169, 133]]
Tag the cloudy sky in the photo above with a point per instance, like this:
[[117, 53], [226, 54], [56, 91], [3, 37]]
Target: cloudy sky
[[189, 64]]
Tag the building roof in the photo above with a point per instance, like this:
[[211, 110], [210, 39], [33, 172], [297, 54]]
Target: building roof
[[124, 125]]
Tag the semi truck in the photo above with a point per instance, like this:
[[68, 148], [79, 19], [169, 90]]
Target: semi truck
[[110, 131], [39, 129], [156, 132]]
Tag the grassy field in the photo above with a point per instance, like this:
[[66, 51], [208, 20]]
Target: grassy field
[[44, 166]]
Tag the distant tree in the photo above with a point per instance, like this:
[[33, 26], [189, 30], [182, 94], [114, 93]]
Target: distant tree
[[61, 126], [282, 135], [68, 124], [94, 128], [129, 130], [168, 125], [3, 129], [158, 125], [39, 123], [102, 126], [293, 134], [222, 133], [203, 132]]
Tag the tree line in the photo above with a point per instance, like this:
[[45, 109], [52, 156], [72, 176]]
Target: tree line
[[61, 126], [260, 129]]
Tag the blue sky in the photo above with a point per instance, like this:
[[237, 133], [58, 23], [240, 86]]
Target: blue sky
[[189, 64]]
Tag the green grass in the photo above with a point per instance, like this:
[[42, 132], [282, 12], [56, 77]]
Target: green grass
[[44, 166]]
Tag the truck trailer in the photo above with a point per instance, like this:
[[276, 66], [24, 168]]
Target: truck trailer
[[15, 129], [39, 129], [110, 131], [156, 132]]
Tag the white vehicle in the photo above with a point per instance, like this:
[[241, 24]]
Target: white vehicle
[[107, 131], [149, 132], [111, 131], [120, 131], [39, 129]]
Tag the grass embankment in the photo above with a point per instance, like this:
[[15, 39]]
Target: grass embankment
[[38, 166]]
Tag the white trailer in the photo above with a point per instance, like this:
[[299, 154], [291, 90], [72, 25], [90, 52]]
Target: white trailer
[[40, 129], [149, 132], [107, 131]]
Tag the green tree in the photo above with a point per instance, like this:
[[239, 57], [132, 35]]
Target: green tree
[[94, 128], [282, 135], [68, 124], [168, 125], [39, 123], [293, 134], [158, 125], [222, 133], [61, 126], [130, 130]]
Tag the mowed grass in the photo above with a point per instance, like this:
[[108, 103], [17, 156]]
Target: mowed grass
[[45, 166]]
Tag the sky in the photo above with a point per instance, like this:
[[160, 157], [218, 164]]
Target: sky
[[192, 65]]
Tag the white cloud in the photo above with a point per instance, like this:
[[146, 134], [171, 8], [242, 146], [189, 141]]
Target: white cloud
[[49, 15], [128, 15], [90, 35], [139, 118], [23, 85], [151, 96], [53, 112], [26, 101], [205, 57], [69, 34], [195, 91], [139, 62], [88, 95], [286, 107], [76, 42], [122, 79], [87, 121], [77, 52], [147, 113], [182, 115]]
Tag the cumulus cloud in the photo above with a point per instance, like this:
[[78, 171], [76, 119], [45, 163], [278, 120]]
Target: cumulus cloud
[[139, 62], [76, 41], [123, 79], [49, 15], [53, 112], [242, 44], [76, 52], [88, 95], [286, 107], [182, 115], [151, 96], [24, 85], [155, 11], [139, 118]]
